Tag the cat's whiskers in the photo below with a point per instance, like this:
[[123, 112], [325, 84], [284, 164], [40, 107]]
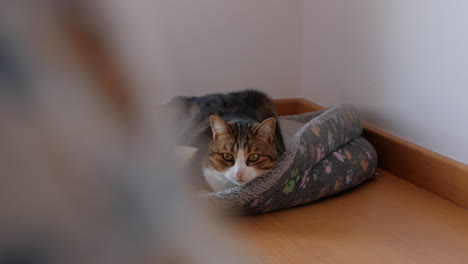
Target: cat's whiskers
[[225, 182]]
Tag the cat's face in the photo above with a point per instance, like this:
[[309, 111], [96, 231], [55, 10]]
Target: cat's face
[[239, 152]]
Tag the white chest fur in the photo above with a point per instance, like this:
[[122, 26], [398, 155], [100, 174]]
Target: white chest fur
[[217, 180]]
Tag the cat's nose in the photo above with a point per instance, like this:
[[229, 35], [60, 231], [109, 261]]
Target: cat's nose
[[239, 175]]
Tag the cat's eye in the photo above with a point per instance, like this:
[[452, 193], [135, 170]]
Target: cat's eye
[[228, 157], [253, 157]]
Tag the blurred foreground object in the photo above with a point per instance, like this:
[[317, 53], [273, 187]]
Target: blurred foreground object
[[82, 182]]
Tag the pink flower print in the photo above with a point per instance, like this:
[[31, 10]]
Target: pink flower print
[[304, 182], [328, 168], [319, 154], [348, 179], [305, 179], [338, 156], [254, 203], [349, 176]]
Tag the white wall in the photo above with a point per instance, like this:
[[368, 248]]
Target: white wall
[[192, 47], [403, 63]]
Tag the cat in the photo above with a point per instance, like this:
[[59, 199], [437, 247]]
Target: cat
[[237, 135]]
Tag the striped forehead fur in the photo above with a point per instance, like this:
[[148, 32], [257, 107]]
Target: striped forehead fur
[[242, 136]]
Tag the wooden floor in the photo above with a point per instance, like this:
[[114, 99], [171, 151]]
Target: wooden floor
[[386, 220]]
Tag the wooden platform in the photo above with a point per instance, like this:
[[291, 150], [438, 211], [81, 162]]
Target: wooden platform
[[415, 215], [387, 220]]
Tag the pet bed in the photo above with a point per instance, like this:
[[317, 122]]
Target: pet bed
[[327, 155]]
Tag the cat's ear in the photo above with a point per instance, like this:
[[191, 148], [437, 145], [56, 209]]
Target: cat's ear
[[266, 129], [218, 126]]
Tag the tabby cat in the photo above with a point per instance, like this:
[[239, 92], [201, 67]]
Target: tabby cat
[[237, 135]]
